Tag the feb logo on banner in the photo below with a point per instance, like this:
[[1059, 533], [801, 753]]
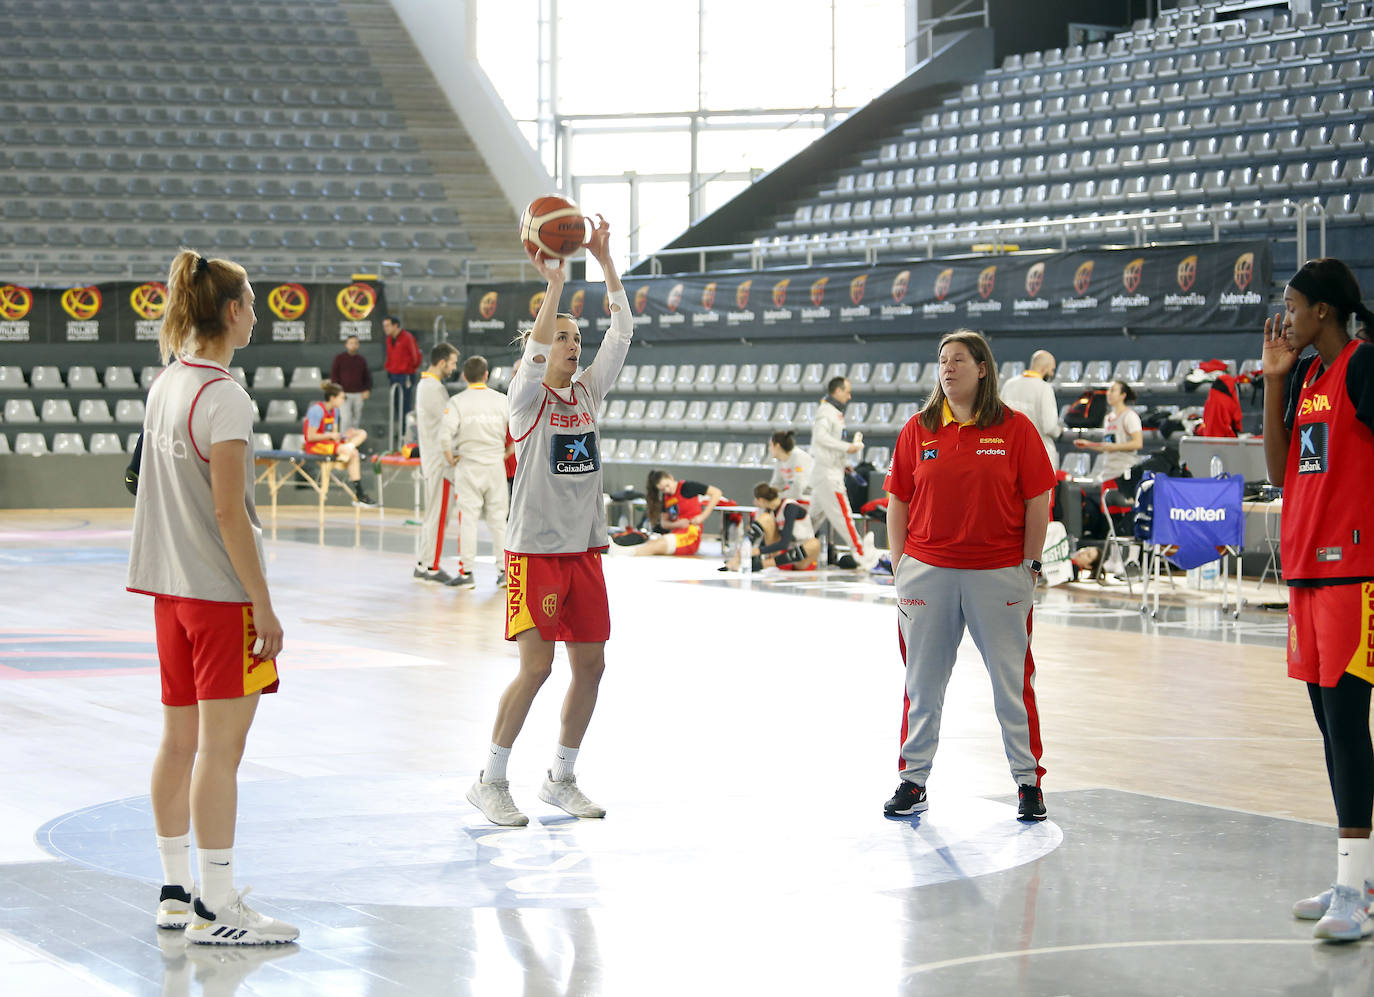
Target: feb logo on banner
[[288, 302], [359, 307], [82, 305], [148, 301], [16, 302]]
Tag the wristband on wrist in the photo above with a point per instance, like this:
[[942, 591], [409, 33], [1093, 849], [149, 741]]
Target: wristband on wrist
[[1032, 563]]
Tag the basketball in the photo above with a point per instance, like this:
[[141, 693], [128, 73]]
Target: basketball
[[554, 226]]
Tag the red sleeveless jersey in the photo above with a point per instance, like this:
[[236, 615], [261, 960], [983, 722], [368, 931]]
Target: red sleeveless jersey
[[679, 506], [1328, 525]]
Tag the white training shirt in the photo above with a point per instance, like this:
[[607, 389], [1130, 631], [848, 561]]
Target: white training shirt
[[431, 398], [792, 474], [829, 448], [177, 549], [1118, 429], [556, 505], [1031, 395], [477, 419]]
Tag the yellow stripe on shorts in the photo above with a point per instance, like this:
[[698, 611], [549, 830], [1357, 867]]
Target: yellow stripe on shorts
[[256, 674], [1362, 661], [518, 618]]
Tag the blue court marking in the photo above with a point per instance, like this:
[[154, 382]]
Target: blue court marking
[[58, 555], [412, 840]]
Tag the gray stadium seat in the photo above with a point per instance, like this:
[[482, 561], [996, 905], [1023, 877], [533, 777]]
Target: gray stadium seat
[[32, 444], [281, 410], [58, 410], [94, 410], [68, 443], [106, 443], [129, 410], [11, 379]]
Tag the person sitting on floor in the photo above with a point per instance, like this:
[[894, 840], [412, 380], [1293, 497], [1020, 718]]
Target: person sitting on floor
[[781, 533], [678, 509]]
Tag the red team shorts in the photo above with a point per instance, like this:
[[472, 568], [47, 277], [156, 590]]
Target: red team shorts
[[688, 541], [563, 596], [322, 449], [1331, 632], [206, 651]]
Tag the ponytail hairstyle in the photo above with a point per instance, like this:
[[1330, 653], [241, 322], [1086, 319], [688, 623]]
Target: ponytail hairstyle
[[653, 500], [763, 490], [198, 291], [1127, 392], [329, 389], [784, 439], [1329, 280]]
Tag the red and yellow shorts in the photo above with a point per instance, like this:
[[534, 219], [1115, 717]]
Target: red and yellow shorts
[[688, 541], [1331, 632], [206, 651], [323, 449], [563, 596]]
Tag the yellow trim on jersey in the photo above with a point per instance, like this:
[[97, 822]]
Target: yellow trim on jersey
[[947, 416], [257, 675], [1362, 661], [518, 618]]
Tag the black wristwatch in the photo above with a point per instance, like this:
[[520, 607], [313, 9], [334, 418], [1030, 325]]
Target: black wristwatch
[[1033, 564]]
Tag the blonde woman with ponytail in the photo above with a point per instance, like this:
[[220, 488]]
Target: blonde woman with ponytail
[[197, 549]]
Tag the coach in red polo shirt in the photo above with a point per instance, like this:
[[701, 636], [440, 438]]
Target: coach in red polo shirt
[[968, 505], [402, 361]]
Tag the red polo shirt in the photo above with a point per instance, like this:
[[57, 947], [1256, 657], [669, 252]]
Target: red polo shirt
[[966, 489]]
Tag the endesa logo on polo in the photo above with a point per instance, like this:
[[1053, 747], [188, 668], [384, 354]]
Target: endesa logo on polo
[[1131, 276], [944, 280], [1185, 274], [1242, 273], [1082, 280], [818, 310], [986, 303], [1032, 302]]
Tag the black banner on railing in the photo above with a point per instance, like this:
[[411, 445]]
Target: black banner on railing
[[1209, 287], [130, 312]]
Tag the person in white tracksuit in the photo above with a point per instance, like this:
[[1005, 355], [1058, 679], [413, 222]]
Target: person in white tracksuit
[[478, 418], [436, 463], [829, 501]]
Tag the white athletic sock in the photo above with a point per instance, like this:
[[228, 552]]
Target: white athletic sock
[[216, 877], [563, 761], [497, 757], [176, 861], [1352, 862]]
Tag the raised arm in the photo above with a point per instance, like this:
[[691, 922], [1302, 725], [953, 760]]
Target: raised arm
[[1276, 361]]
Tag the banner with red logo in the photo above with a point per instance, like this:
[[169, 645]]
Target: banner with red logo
[[131, 312], [1211, 287]]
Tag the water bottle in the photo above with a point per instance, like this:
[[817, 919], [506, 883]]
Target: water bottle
[[1217, 469], [746, 549]]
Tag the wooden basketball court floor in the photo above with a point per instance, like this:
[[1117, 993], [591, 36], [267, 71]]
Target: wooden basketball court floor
[[744, 743]]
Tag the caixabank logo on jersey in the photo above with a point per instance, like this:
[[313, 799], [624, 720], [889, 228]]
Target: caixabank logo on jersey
[[985, 303], [1082, 283], [1132, 279], [573, 453]]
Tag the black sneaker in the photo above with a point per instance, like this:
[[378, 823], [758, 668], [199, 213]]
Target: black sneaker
[[847, 561], [461, 579], [909, 799], [362, 498], [1030, 803]]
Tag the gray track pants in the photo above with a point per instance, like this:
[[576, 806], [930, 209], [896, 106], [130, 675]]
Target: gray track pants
[[935, 605]]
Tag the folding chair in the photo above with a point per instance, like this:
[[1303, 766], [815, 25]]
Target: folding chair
[[1197, 521]]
